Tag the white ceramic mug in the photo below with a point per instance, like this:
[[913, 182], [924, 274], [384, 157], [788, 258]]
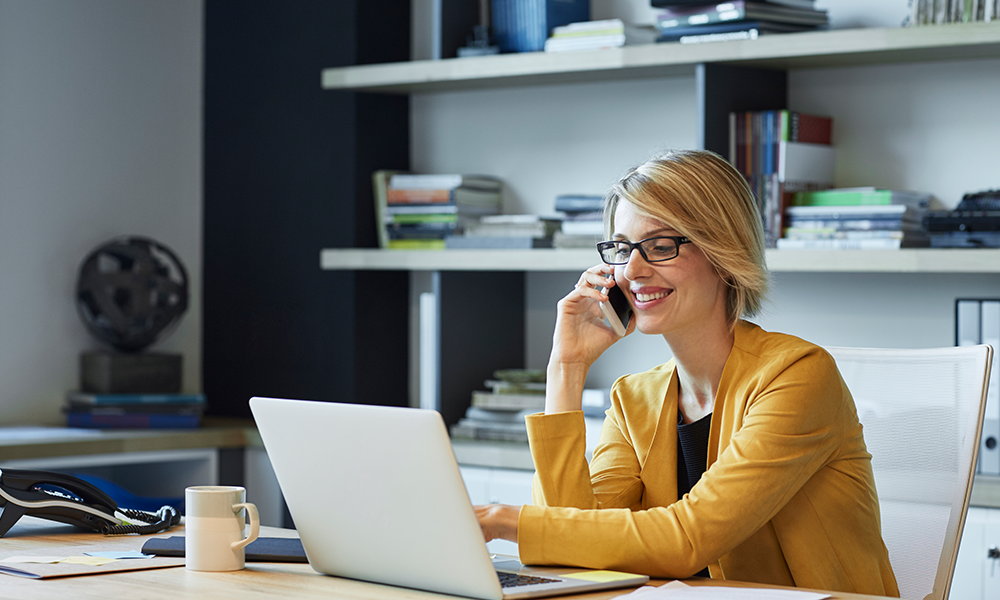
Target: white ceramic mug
[[213, 527]]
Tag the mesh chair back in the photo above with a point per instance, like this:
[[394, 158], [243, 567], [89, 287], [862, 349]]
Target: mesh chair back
[[922, 413]]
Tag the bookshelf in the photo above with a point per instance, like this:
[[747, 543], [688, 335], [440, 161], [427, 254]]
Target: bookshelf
[[921, 260], [706, 82], [847, 47]]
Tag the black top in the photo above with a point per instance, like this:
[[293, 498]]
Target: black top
[[692, 456]]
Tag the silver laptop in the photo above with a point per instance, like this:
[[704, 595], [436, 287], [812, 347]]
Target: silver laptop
[[376, 494]]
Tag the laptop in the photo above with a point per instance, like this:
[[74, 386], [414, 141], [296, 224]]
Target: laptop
[[376, 495]]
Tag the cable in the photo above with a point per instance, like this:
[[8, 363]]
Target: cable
[[161, 520]]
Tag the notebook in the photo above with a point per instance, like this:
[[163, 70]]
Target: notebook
[[376, 495]]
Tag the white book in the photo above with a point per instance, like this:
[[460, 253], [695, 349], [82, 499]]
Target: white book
[[840, 244], [583, 227], [872, 210], [589, 27], [415, 181], [802, 162]]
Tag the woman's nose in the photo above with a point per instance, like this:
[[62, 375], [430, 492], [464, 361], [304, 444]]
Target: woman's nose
[[636, 263]]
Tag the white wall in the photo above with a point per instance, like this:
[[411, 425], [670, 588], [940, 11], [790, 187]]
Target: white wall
[[916, 126], [100, 136]]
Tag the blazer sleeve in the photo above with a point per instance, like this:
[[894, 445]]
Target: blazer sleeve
[[562, 475], [787, 433]]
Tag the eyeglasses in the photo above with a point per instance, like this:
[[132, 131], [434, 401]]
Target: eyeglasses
[[654, 249]]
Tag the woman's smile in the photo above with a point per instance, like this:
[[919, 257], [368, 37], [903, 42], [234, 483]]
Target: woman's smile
[[644, 296]]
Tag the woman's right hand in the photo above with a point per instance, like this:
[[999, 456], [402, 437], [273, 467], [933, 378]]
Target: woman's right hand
[[580, 337]]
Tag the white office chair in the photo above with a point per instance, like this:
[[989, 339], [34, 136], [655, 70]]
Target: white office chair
[[922, 413]]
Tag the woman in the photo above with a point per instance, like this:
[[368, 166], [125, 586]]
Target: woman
[[788, 495]]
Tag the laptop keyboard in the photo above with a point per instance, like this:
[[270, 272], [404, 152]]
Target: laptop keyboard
[[509, 580]]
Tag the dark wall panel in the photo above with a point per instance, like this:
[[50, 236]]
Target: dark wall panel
[[287, 172]]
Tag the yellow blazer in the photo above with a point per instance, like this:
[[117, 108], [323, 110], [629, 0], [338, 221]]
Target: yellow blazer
[[788, 497]]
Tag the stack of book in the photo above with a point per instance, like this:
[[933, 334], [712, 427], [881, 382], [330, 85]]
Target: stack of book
[[134, 411], [506, 231], [781, 152], [582, 221], [420, 211], [737, 20], [857, 219], [499, 414], [593, 35], [938, 12]]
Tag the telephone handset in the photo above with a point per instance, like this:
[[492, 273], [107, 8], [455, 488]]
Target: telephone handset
[[71, 500], [617, 310]]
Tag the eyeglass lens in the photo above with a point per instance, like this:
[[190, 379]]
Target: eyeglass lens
[[653, 250]]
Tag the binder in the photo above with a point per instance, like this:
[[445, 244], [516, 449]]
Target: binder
[[989, 451], [978, 322]]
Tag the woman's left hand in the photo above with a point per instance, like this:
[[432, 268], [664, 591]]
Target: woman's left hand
[[498, 521]]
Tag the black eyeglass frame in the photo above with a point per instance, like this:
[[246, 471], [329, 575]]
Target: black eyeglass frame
[[677, 239]]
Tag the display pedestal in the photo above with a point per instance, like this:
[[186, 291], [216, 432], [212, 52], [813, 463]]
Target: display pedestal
[[104, 372]]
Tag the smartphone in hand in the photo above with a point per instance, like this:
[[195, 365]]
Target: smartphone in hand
[[617, 310]]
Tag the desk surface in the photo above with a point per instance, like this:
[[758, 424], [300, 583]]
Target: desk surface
[[257, 581]]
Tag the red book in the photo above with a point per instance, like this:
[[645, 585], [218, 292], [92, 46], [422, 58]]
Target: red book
[[418, 196], [812, 129]]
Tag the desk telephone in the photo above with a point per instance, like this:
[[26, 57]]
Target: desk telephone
[[71, 500]]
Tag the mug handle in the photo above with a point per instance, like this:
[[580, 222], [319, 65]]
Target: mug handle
[[254, 524]]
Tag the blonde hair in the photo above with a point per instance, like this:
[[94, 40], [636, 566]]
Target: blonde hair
[[706, 200]]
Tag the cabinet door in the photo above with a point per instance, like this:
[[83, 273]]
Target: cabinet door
[[967, 583], [977, 574], [990, 557]]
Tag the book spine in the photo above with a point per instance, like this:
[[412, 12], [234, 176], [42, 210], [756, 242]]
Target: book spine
[[419, 196], [419, 209], [734, 140], [798, 233], [848, 224], [380, 185], [487, 434], [813, 129], [124, 399], [406, 181], [839, 244], [416, 244], [131, 420], [683, 16], [508, 401], [829, 198], [422, 218]]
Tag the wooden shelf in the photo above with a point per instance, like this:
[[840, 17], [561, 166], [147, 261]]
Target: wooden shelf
[[844, 47], [924, 260], [15, 445]]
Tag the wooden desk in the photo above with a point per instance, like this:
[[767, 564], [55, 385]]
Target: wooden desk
[[258, 581]]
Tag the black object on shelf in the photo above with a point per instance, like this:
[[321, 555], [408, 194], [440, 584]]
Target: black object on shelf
[[975, 222]]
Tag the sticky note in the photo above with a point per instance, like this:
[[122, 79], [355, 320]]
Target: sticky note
[[600, 576]]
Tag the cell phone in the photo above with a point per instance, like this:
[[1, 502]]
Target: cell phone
[[617, 310]]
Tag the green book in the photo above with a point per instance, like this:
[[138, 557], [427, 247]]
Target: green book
[[861, 197], [425, 218], [416, 244]]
